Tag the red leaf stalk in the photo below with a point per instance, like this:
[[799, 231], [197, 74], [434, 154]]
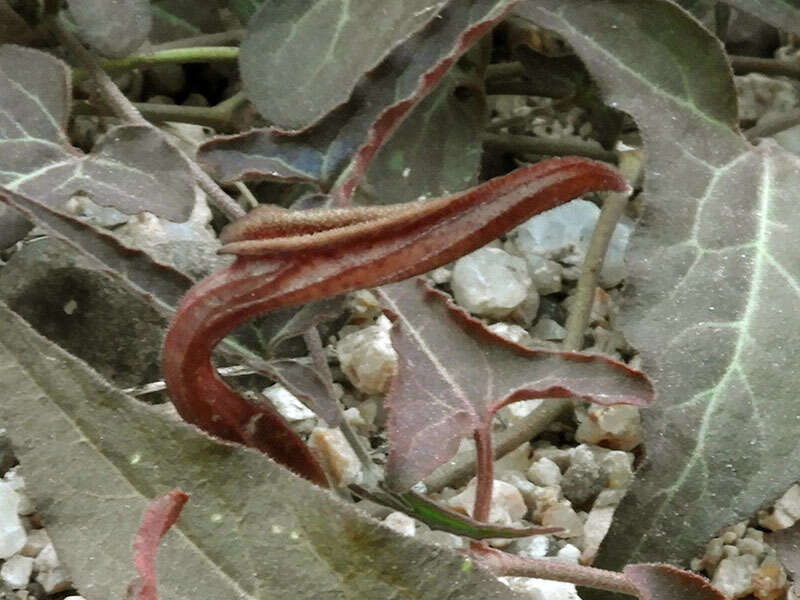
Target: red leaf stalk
[[284, 260]]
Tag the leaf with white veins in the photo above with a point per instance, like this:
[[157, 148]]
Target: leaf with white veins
[[714, 281], [252, 531]]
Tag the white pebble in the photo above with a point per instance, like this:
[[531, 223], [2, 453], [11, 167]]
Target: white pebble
[[618, 427], [401, 523], [547, 329], [368, 358], [52, 576], [544, 472], [734, 575], [513, 333], [36, 542], [508, 506], [290, 407], [16, 571], [12, 531], [562, 515], [332, 447], [490, 282]]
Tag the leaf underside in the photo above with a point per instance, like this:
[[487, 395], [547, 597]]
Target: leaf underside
[[782, 14], [276, 536], [713, 283], [665, 582], [114, 29]]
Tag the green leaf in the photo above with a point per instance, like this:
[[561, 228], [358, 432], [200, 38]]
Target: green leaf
[[359, 127], [252, 530], [301, 59], [114, 29], [713, 289], [176, 19], [437, 149], [131, 168], [783, 14], [244, 9]]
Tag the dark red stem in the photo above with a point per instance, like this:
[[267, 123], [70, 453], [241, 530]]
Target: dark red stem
[[294, 269], [485, 474]]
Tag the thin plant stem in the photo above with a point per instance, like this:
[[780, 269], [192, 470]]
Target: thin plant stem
[[218, 117], [246, 193], [768, 66], [223, 38], [202, 54], [485, 481], [125, 110], [526, 144], [772, 125], [613, 207], [502, 564]]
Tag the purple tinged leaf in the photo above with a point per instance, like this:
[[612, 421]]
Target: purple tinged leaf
[[380, 100], [158, 284], [665, 582], [115, 28], [303, 380], [782, 14], [453, 374], [713, 278], [132, 168], [302, 59]]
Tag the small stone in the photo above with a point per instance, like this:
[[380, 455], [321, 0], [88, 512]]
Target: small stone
[[584, 479], [547, 329], [750, 546], [568, 554], [535, 546], [441, 275], [734, 575], [12, 531], [515, 412], [17, 482], [618, 427], [291, 408], [560, 456], [597, 524], [618, 469], [562, 515], [337, 455], [16, 571], [368, 358], [36, 542], [363, 304], [729, 551], [545, 274], [516, 461], [545, 472], [769, 581], [401, 523], [490, 282], [525, 314], [508, 506], [513, 333], [51, 575], [195, 99]]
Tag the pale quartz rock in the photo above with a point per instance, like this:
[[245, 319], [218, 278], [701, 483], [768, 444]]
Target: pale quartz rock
[[760, 95], [568, 554], [734, 576], [526, 312], [617, 466], [785, 513], [51, 574], [544, 472], [560, 456], [511, 332], [597, 524], [535, 546], [563, 233], [513, 413], [17, 483], [547, 329], [367, 357], [340, 460], [516, 461], [508, 506], [562, 515], [363, 304], [441, 275], [490, 282], [618, 427], [545, 274], [584, 479], [290, 407], [401, 523], [16, 571], [12, 531], [36, 542]]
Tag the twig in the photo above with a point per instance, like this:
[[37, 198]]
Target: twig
[[768, 66], [204, 54], [125, 110], [459, 470], [217, 117], [502, 564], [525, 144], [157, 386], [503, 71], [613, 207], [776, 124]]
